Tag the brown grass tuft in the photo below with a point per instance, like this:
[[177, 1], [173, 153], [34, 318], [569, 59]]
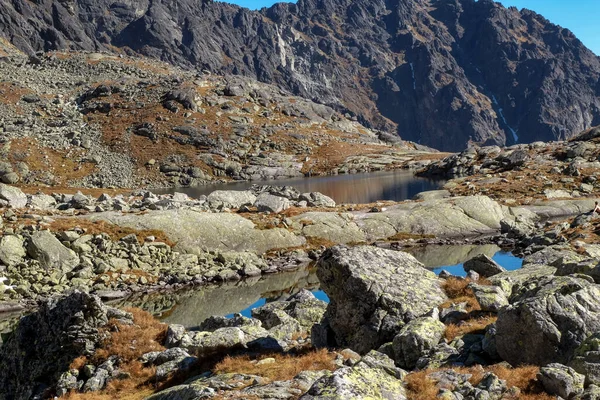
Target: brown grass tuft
[[420, 387], [79, 362], [470, 326], [285, 367], [114, 231], [128, 342]]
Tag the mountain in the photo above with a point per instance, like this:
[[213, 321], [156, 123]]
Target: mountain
[[439, 73]]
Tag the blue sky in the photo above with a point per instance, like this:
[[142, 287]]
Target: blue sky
[[580, 16]]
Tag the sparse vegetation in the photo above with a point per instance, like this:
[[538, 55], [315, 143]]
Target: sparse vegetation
[[283, 367], [114, 231], [129, 343], [475, 325], [420, 387]]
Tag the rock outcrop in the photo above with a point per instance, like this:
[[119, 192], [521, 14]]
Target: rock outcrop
[[373, 293], [46, 342], [357, 383], [475, 65], [549, 322]]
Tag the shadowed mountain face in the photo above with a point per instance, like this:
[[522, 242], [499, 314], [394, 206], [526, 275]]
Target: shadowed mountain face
[[436, 72]]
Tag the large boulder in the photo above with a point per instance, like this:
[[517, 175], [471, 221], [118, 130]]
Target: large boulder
[[490, 298], [13, 196], [231, 198], [46, 342], [561, 380], [266, 202], [357, 383], [483, 265], [587, 359], [514, 283], [316, 199], [50, 252], [373, 293], [549, 322], [11, 250], [416, 339]]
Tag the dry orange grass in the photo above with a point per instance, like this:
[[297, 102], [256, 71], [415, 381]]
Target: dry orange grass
[[470, 326], [285, 367], [129, 342], [420, 387], [40, 160], [114, 231], [458, 291]]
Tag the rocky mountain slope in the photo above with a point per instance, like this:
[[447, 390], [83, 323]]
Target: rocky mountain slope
[[438, 72], [98, 120]]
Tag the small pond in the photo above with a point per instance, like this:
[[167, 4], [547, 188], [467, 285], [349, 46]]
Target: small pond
[[363, 188], [191, 307]]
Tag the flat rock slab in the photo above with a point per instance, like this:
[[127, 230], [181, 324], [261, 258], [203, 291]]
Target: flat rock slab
[[196, 231], [454, 217], [373, 293]]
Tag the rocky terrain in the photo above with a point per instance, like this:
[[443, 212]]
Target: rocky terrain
[[88, 128], [488, 74], [391, 328], [99, 120]]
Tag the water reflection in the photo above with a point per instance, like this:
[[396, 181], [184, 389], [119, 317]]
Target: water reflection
[[438, 256], [190, 307], [356, 188]]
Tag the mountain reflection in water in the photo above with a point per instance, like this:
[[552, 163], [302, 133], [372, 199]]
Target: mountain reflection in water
[[350, 189]]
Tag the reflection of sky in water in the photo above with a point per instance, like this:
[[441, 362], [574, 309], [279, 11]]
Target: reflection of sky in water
[[505, 259], [355, 188], [247, 312]]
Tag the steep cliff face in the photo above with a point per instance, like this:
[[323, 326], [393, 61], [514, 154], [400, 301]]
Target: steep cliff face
[[436, 72]]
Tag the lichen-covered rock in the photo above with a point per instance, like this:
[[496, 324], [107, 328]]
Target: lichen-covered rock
[[207, 343], [50, 252], [266, 202], [375, 359], [13, 196], [514, 283], [373, 293], [316, 199], [586, 360], [231, 198], [357, 383], [483, 265], [561, 380], [592, 392], [11, 250], [46, 342], [549, 322], [490, 298], [416, 339], [301, 311]]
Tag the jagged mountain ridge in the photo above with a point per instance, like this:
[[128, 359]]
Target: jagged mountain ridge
[[437, 72]]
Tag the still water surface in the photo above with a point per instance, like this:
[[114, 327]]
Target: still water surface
[[191, 307], [370, 187], [504, 258]]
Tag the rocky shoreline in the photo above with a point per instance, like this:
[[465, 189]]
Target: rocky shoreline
[[392, 329]]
